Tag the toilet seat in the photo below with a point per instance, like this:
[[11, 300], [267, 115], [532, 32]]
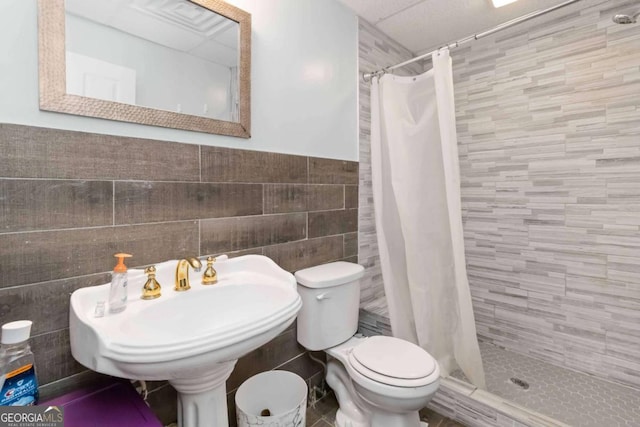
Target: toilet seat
[[393, 361]]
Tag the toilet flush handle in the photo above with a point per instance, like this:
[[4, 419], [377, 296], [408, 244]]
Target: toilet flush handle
[[326, 295]]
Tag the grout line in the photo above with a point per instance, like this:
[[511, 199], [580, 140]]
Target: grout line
[[290, 360], [13, 178], [103, 179], [14, 287], [173, 181], [67, 379], [50, 332], [256, 215], [171, 221], [100, 227], [113, 203]]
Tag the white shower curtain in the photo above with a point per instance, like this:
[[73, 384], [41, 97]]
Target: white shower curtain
[[416, 188]]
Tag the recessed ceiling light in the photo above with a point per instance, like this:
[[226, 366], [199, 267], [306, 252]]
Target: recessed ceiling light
[[500, 3]]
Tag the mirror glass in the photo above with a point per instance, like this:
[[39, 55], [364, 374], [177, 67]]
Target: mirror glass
[[169, 55], [182, 64]]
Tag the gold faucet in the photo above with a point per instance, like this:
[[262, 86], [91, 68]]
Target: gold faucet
[[151, 288], [210, 276], [182, 272]]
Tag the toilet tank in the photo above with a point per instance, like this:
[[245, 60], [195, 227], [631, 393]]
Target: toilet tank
[[330, 302]]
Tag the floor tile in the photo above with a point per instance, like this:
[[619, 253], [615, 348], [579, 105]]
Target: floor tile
[[326, 409], [569, 396]]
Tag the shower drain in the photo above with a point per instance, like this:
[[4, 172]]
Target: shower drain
[[520, 383]]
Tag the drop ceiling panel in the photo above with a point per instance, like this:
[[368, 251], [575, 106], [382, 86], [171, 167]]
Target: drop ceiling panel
[[375, 10], [223, 54], [177, 24], [423, 25], [230, 35]]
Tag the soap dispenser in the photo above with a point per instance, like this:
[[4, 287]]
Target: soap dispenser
[[118, 290]]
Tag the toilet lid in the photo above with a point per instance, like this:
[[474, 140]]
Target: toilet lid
[[393, 357]]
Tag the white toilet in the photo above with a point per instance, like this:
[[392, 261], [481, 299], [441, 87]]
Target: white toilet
[[379, 381]]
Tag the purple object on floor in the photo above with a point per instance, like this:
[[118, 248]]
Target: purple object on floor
[[114, 405]]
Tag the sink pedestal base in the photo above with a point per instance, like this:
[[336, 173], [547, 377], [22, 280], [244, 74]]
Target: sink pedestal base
[[202, 401]]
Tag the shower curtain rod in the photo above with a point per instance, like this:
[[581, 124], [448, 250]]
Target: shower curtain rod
[[368, 76]]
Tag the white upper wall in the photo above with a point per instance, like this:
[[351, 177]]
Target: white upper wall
[[303, 76]]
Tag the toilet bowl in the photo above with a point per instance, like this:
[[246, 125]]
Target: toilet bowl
[[379, 381], [383, 394]]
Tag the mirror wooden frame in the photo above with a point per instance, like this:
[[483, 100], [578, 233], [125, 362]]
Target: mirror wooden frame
[[52, 77]]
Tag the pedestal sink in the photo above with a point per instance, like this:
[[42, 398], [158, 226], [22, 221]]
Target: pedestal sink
[[193, 338]]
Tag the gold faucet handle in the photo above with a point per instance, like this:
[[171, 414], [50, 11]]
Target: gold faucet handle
[[151, 288], [210, 277]]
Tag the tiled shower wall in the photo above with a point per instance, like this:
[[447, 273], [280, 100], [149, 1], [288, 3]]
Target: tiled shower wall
[[69, 200], [549, 137], [375, 51]]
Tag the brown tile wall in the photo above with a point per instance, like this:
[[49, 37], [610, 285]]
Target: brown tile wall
[[69, 200]]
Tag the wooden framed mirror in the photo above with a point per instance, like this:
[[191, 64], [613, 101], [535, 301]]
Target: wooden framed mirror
[[168, 63]]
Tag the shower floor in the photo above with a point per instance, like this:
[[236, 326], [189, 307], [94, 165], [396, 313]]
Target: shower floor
[[572, 397]]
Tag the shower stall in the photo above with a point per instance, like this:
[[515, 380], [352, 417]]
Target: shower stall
[[548, 140]]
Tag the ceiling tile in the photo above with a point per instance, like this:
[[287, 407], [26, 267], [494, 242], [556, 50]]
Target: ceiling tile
[[421, 26], [376, 10]]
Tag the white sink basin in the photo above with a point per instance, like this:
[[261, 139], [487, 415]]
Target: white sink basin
[[192, 338]]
